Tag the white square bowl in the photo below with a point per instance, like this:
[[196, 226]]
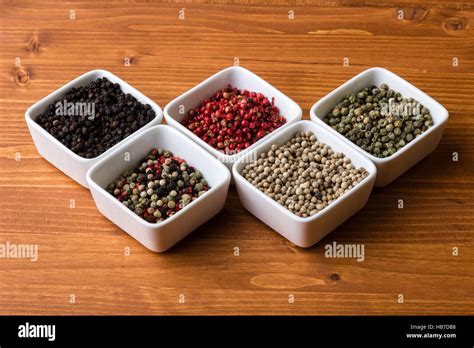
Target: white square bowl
[[388, 168], [161, 236], [304, 232], [176, 110], [58, 154]]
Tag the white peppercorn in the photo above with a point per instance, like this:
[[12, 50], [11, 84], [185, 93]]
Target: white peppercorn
[[311, 177]]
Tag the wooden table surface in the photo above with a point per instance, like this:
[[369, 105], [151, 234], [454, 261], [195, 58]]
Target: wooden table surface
[[83, 267]]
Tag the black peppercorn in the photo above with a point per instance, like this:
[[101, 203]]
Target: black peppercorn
[[91, 119]]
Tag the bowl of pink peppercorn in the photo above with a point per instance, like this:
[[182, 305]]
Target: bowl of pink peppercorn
[[231, 112]]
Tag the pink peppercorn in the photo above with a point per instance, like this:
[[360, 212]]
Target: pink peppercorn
[[232, 120]]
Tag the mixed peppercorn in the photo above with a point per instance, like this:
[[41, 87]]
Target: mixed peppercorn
[[159, 187], [116, 116], [379, 120], [303, 175], [233, 119]]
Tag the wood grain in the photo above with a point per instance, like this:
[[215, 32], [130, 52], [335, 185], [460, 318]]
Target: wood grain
[[407, 251]]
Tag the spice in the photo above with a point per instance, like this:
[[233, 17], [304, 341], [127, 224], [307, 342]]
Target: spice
[[233, 119], [159, 187], [379, 120], [303, 175], [91, 119]]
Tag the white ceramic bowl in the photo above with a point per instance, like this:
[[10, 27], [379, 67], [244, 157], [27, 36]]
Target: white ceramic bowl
[[305, 232], [161, 236], [59, 155], [176, 111], [389, 168]]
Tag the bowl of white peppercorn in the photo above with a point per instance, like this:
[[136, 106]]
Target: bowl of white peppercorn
[[159, 187], [384, 117], [304, 182]]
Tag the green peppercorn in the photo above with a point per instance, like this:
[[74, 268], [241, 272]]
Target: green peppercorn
[[384, 112]]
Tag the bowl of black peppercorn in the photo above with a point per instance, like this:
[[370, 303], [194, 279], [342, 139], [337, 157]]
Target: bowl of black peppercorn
[[78, 124]]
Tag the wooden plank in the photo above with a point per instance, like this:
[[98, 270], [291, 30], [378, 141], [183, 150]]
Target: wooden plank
[[407, 251]]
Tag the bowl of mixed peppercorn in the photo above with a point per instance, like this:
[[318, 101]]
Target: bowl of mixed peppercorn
[[159, 187], [231, 112], [82, 121], [385, 117]]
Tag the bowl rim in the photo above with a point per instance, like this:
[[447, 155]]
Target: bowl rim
[[72, 83], [371, 169], [93, 185], [443, 114], [220, 155]]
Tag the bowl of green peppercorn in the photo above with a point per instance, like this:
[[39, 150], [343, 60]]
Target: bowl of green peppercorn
[[389, 120], [79, 123], [159, 187]]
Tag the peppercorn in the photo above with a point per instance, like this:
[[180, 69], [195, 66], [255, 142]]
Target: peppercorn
[[379, 120], [115, 116], [303, 175], [233, 119], [158, 195]]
